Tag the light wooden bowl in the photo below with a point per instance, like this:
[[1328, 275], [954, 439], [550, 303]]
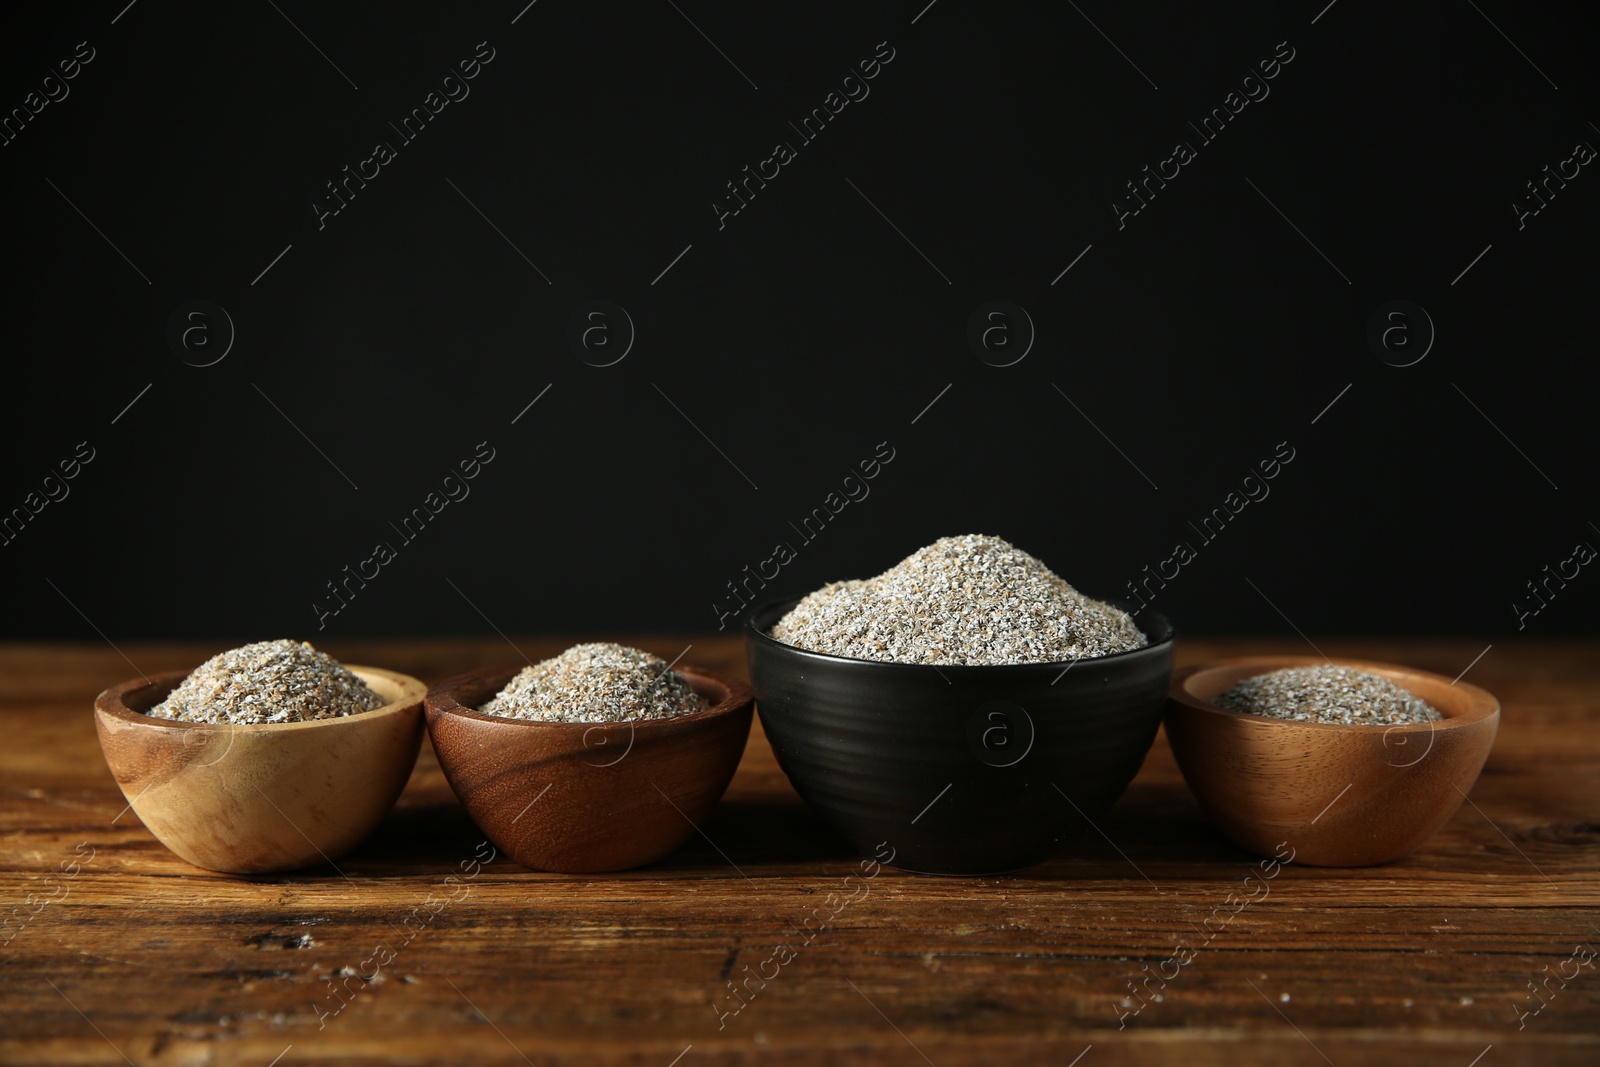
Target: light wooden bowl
[[266, 796], [586, 797], [1339, 796]]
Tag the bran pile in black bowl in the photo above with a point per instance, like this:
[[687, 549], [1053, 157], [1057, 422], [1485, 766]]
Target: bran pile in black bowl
[[976, 740]]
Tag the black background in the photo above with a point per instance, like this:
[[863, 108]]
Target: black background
[[806, 331]]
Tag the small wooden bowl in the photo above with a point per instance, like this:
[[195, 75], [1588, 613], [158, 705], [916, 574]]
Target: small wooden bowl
[[1339, 796], [244, 799], [583, 797]]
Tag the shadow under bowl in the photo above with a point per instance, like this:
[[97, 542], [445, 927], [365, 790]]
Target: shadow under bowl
[[959, 769], [1336, 795], [581, 797], [259, 797]]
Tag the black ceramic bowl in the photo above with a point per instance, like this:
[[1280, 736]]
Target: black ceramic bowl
[[959, 770]]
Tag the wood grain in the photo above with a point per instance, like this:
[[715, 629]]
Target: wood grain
[[1426, 961]]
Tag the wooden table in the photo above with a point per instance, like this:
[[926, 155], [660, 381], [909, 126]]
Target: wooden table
[[1428, 961]]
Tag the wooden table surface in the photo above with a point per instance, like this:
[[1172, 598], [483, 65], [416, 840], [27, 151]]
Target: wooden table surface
[[1476, 950]]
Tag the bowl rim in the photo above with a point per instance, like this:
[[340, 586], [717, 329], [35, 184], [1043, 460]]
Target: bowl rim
[[440, 700], [112, 703], [761, 617], [1484, 705]]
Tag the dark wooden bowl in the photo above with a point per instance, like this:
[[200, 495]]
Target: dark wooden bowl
[[1338, 796], [959, 769], [245, 799], [587, 797]]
